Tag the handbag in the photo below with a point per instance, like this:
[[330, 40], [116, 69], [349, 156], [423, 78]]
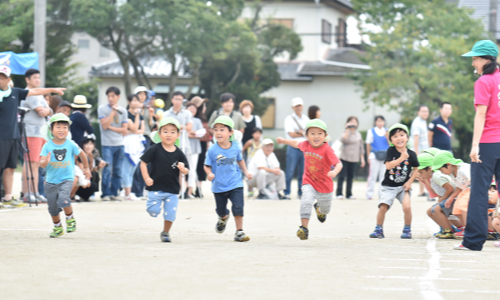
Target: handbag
[[380, 155]]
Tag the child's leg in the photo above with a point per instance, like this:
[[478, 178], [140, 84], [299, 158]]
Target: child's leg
[[221, 205], [464, 218], [153, 205], [382, 210], [406, 203], [496, 224], [239, 222], [306, 203], [170, 204], [441, 218], [490, 225], [52, 193], [236, 197]]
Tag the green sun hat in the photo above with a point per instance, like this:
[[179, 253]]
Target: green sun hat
[[400, 126], [482, 48], [444, 157], [155, 137], [224, 120], [316, 123], [432, 151], [425, 160], [59, 117]]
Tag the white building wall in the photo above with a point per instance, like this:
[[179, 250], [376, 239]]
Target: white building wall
[[88, 56]]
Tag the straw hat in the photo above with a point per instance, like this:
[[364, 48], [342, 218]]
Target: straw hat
[[80, 101]]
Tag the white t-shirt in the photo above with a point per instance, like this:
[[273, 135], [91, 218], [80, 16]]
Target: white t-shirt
[[419, 127], [291, 126], [260, 160]]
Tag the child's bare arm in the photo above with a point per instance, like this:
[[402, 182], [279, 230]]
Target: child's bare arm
[[447, 194], [338, 167], [85, 162], [182, 168], [247, 145], [292, 143], [414, 174], [455, 193], [44, 160], [208, 171], [243, 167], [145, 174]]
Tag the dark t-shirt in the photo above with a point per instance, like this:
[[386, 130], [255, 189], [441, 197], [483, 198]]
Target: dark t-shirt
[[442, 133], [132, 117], [80, 124], [399, 175], [164, 171], [8, 114]]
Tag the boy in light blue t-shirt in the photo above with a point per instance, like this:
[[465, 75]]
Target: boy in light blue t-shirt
[[58, 157], [222, 165]]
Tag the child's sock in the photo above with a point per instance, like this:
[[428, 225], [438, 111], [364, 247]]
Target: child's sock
[[69, 217], [58, 224], [381, 227], [407, 227]]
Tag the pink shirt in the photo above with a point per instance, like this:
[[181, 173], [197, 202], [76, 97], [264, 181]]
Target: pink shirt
[[487, 92]]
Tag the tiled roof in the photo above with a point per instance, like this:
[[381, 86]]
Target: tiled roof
[[153, 67], [482, 11]]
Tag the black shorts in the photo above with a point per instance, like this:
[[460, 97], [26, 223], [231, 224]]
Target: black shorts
[[8, 154], [236, 197]]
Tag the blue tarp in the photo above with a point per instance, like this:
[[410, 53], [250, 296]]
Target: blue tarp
[[19, 63]]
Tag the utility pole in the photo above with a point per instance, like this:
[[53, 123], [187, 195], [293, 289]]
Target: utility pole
[[40, 35], [493, 18]]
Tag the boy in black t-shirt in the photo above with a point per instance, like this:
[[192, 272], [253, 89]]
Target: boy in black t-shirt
[[399, 163], [166, 161]]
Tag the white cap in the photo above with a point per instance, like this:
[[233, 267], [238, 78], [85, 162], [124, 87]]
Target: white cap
[[267, 142], [297, 101], [140, 89], [5, 70]]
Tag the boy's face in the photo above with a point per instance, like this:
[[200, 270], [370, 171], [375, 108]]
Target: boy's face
[[169, 134], [316, 136], [60, 130], [447, 170], [399, 139], [222, 133], [228, 105], [425, 173], [113, 98], [257, 135]]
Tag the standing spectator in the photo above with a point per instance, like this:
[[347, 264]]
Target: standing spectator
[[34, 120], [376, 146], [113, 125], [227, 103], [64, 107], [184, 117], [195, 145], [294, 130], [352, 154], [10, 98], [133, 145], [314, 112], [440, 129], [200, 114], [265, 170], [420, 134], [80, 125], [251, 121], [54, 102]]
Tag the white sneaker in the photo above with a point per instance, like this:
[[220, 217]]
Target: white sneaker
[[105, 198], [340, 197], [121, 193], [461, 247], [352, 198], [132, 197], [92, 198], [116, 198]]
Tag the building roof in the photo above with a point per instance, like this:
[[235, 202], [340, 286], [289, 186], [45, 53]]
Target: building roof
[[154, 67], [482, 11]]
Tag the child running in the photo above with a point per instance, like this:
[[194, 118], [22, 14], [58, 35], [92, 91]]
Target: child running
[[222, 165], [58, 157], [401, 164], [165, 160], [317, 183]]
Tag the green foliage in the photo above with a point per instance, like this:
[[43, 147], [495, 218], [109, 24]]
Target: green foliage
[[415, 58], [17, 21]]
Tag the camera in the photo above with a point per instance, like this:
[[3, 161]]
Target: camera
[[22, 111], [351, 126], [98, 161]]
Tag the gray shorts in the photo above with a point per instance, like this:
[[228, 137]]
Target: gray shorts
[[389, 193], [446, 210], [309, 194], [58, 196]]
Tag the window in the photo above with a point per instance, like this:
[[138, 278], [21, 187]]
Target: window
[[268, 118], [341, 33], [103, 52], [326, 32], [285, 22], [83, 44]]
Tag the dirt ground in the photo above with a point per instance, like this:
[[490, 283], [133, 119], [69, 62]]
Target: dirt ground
[[116, 253]]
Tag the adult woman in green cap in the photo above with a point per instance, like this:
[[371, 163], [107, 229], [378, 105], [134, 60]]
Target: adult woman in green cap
[[485, 152]]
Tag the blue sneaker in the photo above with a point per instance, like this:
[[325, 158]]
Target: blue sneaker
[[406, 233], [439, 232], [378, 233]]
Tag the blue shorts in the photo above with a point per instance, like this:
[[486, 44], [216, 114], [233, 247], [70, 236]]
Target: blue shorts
[[446, 211], [169, 201], [236, 197]]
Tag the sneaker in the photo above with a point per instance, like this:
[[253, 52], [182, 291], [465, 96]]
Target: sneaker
[[431, 199], [240, 236], [71, 225], [131, 197], [460, 247], [221, 224], [351, 198], [105, 198], [378, 233], [424, 194], [321, 217], [57, 232], [299, 197], [116, 198], [281, 197], [446, 234], [92, 198], [1, 205], [303, 233], [250, 194], [460, 234], [13, 203], [165, 237], [496, 244], [406, 233], [439, 232], [286, 197], [190, 197], [41, 198], [30, 198], [262, 196], [340, 197], [492, 236]]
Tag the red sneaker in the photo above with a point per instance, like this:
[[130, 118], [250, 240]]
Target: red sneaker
[[460, 234]]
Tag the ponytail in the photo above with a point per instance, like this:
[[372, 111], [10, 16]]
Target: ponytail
[[490, 67]]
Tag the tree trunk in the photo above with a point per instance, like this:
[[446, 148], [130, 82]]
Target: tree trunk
[[194, 81], [137, 74]]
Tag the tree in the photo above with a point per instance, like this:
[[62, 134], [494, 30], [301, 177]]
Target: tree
[[17, 21], [415, 59]]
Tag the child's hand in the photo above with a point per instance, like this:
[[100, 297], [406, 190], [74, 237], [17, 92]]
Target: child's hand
[[181, 165], [332, 174], [448, 202], [210, 176], [279, 140], [87, 173], [149, 182], [248, 175], [405, 155], [47, 158], [407, 186]]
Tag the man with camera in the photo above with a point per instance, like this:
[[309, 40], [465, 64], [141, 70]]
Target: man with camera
[[10, 99]]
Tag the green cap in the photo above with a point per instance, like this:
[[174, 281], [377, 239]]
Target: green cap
[[60, 117], [432, 151], [224, 120], [481, 48], [316, 123], [155, 137], [400, 126], [425, 160], [444, 157]]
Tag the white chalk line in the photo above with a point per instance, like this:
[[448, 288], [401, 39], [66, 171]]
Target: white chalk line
[[414, 277], [438, 290], [427, 287], [442, 269], [421, 259]]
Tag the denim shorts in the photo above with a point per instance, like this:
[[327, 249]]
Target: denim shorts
[[446, 211], [169, 201], [236, 197]]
